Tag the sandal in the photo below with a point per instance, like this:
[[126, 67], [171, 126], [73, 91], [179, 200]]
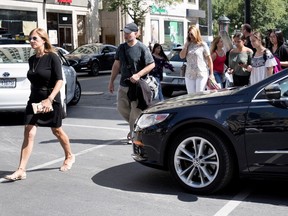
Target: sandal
[[19, 174], [67, 165]]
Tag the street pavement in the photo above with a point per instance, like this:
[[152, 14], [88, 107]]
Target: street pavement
[[104, 179]]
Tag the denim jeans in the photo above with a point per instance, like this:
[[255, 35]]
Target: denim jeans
[[160, 94], [219, 78]]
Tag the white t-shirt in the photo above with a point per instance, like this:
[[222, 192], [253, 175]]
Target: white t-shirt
[[259, 67]]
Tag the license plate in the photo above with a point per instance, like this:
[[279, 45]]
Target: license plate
[[7, 82]]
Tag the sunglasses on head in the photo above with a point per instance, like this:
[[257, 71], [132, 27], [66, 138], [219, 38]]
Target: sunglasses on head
[[33, 38]]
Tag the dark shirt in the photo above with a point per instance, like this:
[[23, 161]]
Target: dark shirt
[[43, 74], [281, 53], [158, 69], [249, 44], [137, 58]]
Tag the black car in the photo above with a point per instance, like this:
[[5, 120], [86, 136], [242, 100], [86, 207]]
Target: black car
[[173, 81], [206, 139], [92, 58]]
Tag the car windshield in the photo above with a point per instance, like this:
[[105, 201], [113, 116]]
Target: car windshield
[[174, 56], [91, 49], [15, 54]]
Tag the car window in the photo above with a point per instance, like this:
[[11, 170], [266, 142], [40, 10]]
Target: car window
[[283, 86], [87, 50], [15, 54], [62, 58], [174, 56], [112, 49], [105, 50]]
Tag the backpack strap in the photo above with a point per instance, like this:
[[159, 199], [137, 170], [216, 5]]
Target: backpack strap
[[265, 55]]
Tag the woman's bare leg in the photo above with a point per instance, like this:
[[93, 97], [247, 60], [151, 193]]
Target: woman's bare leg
[[65, 143], [26, 150]]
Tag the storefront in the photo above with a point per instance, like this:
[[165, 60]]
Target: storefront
[[65, 23]]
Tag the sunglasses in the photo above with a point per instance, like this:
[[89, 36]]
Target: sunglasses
[[33, 38]]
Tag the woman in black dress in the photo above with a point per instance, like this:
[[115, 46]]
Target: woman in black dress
[[45, 75]]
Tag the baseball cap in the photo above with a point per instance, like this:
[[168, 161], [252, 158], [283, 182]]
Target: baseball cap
[[131, 27]]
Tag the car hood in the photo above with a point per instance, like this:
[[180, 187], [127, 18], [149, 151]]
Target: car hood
[[197, 99]]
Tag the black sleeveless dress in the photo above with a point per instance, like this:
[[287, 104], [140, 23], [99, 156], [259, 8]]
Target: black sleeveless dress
[[43, 74]]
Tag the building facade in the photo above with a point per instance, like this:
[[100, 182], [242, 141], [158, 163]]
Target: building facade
[[164, 25], [68, 22], [71, 23]]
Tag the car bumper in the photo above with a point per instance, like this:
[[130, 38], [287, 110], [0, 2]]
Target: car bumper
[[13, 100], [148, 147]]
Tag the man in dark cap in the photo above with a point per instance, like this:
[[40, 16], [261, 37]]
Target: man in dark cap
[[133, 60]]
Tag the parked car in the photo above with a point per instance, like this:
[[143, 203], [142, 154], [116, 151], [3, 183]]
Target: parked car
[[92, 58], [206, 139], [14, 85], [62, 50], [172, 81]]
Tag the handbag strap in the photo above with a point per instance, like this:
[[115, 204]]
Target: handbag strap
[[126, 59]]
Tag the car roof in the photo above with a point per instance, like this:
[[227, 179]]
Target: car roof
[[15, 45]]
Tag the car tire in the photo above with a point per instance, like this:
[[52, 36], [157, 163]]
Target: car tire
[[77, 94], [167, 91], [200, 161], [94, 69]]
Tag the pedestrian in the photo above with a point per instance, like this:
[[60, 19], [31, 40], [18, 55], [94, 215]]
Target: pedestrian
[[161, 60], [199, 61], [45, 75], [262, 61], [133, 60], [240, 61], [218, 56], [278, 48], [246, 30]]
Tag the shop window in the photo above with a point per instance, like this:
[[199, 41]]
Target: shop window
[[14, 22], [174, 33], [154, 31]]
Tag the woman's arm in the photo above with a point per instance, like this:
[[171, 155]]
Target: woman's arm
[[210, 65], [184, 51]]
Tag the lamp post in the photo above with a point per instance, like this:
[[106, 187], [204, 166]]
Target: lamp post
[[247, 11], [223, 22]]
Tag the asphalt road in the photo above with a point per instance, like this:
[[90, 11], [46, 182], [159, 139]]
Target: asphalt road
[[105, 180]]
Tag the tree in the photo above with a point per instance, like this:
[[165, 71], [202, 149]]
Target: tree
[[265, 14], [136, 9]]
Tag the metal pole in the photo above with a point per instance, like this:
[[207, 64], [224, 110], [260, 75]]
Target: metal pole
[[247, 11]]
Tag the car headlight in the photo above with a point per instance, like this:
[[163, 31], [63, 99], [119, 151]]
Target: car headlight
[[147, 120]]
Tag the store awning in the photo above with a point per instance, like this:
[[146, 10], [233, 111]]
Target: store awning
[[65, 1], [195, 13]]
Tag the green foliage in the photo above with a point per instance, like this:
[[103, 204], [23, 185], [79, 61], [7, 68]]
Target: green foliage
[[265, 14], [134, 8]]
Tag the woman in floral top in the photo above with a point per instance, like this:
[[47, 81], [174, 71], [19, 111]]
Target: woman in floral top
[[199, 61], [161, 61]]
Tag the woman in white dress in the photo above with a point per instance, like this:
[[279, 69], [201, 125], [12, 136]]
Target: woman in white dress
[[263, 60]]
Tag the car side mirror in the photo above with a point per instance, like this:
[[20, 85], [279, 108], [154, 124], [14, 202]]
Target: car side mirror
[[273, 92]]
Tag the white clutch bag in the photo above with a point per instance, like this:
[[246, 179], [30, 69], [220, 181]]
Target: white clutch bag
[[38, 108]]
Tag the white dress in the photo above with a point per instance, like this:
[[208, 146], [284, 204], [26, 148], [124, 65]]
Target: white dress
[[259, 67]]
